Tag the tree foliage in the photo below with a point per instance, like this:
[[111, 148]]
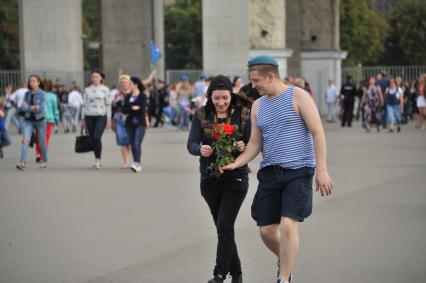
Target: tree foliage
[[407, 41], [91, 32], [362, 32], [183, 34], [9, 34]]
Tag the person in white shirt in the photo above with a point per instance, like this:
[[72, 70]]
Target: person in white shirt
[[330, 100], [19, 99], [75, 100], [11, 108]]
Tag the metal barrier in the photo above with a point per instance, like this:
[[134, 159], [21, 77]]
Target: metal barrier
[[17, 77], [405, 72], [173, 76]]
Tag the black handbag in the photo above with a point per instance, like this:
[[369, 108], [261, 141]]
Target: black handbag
[[83, 142]]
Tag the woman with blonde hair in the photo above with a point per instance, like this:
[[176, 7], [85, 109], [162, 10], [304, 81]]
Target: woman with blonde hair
[[183, 100], [119, 119]]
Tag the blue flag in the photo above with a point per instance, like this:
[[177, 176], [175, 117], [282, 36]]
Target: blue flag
[[155, 54]]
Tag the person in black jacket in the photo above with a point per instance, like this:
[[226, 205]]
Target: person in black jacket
[[135, 106], [223, 193], [349, 93]]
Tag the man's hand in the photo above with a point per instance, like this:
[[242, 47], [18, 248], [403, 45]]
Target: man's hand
[[323, 183], [135, 107], [108, 126], [228, 167], [206, 150]]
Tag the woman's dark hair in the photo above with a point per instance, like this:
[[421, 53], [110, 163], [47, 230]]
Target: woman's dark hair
[[137, 81], [34, 76], [97, 71], [47, 85], [235, 80], [220, 82]]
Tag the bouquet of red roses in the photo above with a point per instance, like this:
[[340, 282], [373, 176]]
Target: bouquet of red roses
[[225, 136]]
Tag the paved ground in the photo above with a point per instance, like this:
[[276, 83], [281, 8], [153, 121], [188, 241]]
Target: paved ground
[[72, 224]]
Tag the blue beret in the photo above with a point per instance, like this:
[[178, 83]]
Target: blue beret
[[183, 78], [263, 60]]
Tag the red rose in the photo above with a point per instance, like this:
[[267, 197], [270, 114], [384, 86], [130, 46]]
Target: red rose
[[229, 130], [215, 135]]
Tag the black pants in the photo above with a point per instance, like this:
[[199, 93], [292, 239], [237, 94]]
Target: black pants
[[95, 126], [224, 200], [348, 113]]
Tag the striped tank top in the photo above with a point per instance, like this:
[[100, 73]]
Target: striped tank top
[[287, 140]]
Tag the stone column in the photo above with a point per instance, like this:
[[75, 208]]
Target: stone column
[[51, 39], [267, 31], [293, 31], [225, 37], [128, 27], [321, 55]]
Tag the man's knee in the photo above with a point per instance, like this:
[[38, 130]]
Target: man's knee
[[288, 226], [268, 231]]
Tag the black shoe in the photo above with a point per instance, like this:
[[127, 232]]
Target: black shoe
[[237, 279], [38, 159], [216, 279], [398, 129], [1, 152]]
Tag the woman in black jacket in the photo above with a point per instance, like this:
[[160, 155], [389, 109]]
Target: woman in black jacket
[[225, 193], [135, 107]]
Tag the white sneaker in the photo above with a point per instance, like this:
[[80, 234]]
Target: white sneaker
[[97, 167], [136, 168]]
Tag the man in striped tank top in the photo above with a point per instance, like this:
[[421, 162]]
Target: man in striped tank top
[[287, 127]]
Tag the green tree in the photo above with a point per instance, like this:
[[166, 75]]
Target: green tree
[[362, 32], [183, 34], [407, 41], [9, 34], [91, 32]]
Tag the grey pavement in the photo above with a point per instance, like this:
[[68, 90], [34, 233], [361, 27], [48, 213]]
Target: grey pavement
[[69, 223]]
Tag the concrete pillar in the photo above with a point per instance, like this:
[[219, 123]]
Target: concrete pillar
[[267, 31], [128, 27], [321, 57], [294, 35], [320, 66], [51, 39], [225, 37]]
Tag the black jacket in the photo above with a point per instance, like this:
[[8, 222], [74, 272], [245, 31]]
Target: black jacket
[[198, 137], [135, 118]]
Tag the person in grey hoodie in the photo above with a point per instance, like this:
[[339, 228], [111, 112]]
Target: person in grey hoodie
[[96, 113]]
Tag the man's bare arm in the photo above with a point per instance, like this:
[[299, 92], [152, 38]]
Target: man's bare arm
[[253, 146]]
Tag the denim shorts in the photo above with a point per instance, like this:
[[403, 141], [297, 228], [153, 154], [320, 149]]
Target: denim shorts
[[282, 193]]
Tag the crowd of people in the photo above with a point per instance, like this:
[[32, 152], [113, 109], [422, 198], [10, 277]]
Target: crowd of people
[[292, 148], [381, 102], [229, 124]]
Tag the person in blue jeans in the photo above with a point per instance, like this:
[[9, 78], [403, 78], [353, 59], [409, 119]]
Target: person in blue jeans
[[286, 127], [394, 98], [32, 109], [135, 108]]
